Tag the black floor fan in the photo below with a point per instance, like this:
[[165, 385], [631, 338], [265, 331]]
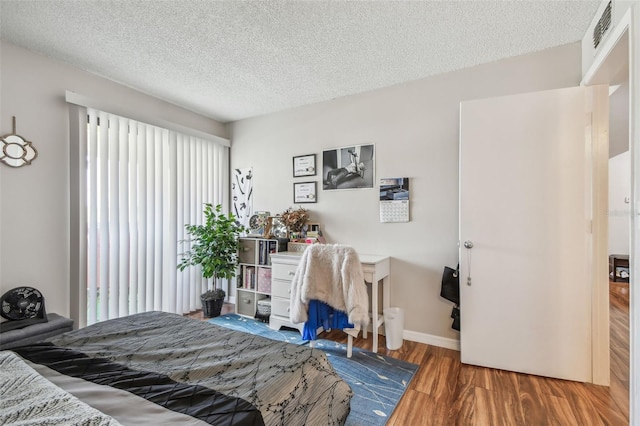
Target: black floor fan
[[22, 306]]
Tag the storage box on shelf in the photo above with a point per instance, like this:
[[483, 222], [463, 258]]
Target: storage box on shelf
[[253, 282]]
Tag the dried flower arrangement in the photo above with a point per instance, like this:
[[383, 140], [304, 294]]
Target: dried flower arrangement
[[295, 219]]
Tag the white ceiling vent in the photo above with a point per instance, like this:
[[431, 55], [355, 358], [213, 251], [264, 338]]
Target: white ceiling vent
[[602, 26]]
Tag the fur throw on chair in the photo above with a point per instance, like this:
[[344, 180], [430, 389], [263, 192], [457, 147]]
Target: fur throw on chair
[[331, 273]]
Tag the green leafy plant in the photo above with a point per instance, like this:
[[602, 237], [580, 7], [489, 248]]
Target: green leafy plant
[[214, 245]]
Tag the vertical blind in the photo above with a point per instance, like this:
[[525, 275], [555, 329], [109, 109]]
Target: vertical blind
[[144, 183]]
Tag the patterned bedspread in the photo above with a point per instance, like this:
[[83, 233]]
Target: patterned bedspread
[[288, 384], [27, 399]]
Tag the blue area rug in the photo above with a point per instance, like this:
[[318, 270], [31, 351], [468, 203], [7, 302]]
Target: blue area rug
[[248, 325], [378, 382]]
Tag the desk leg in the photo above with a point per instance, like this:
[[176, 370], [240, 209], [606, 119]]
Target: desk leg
[[386, 292], [374, 314]]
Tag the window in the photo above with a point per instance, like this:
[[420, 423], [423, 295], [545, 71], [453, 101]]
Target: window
[[143, 184]]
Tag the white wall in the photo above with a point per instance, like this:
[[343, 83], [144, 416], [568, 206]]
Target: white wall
[[619, 170], [34, 200], [619, 120], [415, 129], [619, 210]]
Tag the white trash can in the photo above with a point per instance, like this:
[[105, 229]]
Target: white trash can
[[393, 326]]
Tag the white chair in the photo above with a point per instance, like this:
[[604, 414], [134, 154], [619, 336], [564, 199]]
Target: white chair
[[332, 274]]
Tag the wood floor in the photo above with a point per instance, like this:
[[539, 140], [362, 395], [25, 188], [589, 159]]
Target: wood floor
[[446, 392]]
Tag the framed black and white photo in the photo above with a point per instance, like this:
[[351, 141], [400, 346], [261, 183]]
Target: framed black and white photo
[[304, 165], [351, 167], [304, 192]]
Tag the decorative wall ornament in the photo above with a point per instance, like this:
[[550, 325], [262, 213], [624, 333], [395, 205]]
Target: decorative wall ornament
[[242, 194], [15, 150]]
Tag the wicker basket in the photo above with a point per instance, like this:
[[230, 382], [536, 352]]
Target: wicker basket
[[263, 310], [297, 247]]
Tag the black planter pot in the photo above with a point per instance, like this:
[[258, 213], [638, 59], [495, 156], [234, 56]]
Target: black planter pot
[[211, 308]]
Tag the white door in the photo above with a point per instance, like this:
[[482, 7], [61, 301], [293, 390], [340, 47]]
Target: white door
[[525, 205]]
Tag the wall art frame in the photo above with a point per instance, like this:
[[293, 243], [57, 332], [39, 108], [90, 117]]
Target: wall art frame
[[350, 167], [304, 165], [305, 192]]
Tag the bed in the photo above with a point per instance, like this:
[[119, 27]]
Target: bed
[[160, 368]]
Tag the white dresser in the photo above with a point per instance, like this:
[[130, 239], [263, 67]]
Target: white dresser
[[283, 267]]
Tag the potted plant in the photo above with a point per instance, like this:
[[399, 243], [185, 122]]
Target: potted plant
[[214, 247], [212, 301], [295, 220]]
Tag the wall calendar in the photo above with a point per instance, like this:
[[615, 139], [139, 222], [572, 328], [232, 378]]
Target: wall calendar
[[394, 200]]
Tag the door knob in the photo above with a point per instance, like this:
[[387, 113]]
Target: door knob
[[468, 244]]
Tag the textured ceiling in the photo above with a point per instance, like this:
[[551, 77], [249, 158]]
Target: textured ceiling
[[235, 59]]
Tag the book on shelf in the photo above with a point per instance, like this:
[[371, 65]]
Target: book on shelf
[[248, 277], [251, 277], [261, 258], [265, 248]]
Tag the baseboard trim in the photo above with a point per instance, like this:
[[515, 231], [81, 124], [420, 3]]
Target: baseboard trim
[[429, 339], [414, 336]]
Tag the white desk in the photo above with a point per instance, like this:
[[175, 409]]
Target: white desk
[[376, 271]]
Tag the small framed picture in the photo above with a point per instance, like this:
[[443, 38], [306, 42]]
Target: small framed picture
[[304, 165], [305, 192]]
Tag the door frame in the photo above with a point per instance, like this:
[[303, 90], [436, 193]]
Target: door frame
[[598, 177], [628, 30]]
